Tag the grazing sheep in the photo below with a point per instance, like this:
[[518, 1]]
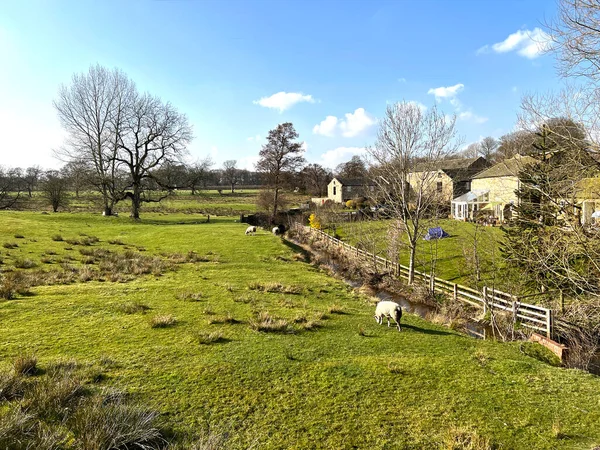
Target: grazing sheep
[[389, 310], [250, 230], [276, 231]]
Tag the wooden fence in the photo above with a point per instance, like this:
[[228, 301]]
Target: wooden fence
[[531, 316]]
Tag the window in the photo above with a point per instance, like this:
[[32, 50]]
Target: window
[[334, 189], [439, 186]]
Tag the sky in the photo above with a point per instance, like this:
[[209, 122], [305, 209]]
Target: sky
[[239, 68]]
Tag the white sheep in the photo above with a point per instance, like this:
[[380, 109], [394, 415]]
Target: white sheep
[[276, 231], [250, 230], [389, 310]]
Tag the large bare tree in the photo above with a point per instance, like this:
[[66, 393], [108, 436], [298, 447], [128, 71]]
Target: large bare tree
[[281, 155], [410, 144], [231, 173], [91, 110], [151, 133]]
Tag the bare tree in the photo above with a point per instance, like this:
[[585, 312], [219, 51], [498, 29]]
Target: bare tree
[[91, 110], [315, 179], [231, 173], [281, 154], [78, 173], [487, 148], [472, 150], [151, 133], [407, 136], [10, 187], [31, 178], [197, 174], [55, 189], [353, 169]]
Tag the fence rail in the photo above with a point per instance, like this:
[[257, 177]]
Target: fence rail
[[531, 316]]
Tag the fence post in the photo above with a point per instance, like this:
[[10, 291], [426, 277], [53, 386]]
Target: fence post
[[549, 324], [455, 292], [484, 299]]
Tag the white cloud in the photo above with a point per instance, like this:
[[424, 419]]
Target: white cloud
[[248, 162], [283, 100], [326, 127], [469, 116], [402, 80], [446, 92], [529, 44], [254, 138], [352, 125], [339, 155], [355, 123]]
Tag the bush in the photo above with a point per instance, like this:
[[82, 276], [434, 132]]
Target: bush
[[351, 204], [314, 221], [11, 284]]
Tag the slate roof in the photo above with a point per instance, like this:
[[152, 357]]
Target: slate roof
[[507, 168], [354, 182]]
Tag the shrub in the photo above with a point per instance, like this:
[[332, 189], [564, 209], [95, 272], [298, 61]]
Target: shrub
[[56, 237], [132, 307], [10, 245], [351, 204], [163, 321], [11, 284], [12, 386], [314, 221], [25, 365]]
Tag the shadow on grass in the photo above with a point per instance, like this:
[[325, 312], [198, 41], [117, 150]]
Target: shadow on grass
[[296, 248], [426, 330]]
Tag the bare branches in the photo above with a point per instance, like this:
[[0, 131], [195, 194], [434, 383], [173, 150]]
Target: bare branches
[[410, 144]]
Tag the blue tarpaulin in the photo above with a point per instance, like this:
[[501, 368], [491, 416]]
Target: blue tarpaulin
[[435, 233]]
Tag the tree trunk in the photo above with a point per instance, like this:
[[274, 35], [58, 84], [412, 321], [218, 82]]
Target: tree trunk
[[276, 199], [135, 202], [411, 263], [232, 188]]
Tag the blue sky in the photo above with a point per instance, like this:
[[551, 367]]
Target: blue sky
[[238, 68]]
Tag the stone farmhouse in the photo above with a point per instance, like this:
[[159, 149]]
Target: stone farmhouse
[[339, 190], [493, 190], [450, 178]]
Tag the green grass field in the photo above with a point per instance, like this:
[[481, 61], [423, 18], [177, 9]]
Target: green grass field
[[326, 379], [454, 255]]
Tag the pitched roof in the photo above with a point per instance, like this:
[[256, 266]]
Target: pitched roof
[[353, 181], [507, 168], [446, 164]]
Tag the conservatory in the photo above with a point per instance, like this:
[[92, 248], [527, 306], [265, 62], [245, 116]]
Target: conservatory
[[466, 206]]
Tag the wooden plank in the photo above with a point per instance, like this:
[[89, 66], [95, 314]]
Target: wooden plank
[[531, 319], [533, 313]]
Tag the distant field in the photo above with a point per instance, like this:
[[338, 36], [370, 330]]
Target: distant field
[[242, 201], [330, 378]]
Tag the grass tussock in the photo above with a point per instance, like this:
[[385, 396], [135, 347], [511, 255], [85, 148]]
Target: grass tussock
[[207, 338], [227, 319], [24, 263], [19, 236], [163, 321], [458, 438], [61, 410], [10, 245], [56, 238], [190, 296], [274, 287], [25, 365], [336, 309], [116, 242], [132, 307], [245, 299], [12, 284], [265, 323]]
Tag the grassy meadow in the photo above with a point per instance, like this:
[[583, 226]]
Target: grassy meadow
[[218, 331]]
